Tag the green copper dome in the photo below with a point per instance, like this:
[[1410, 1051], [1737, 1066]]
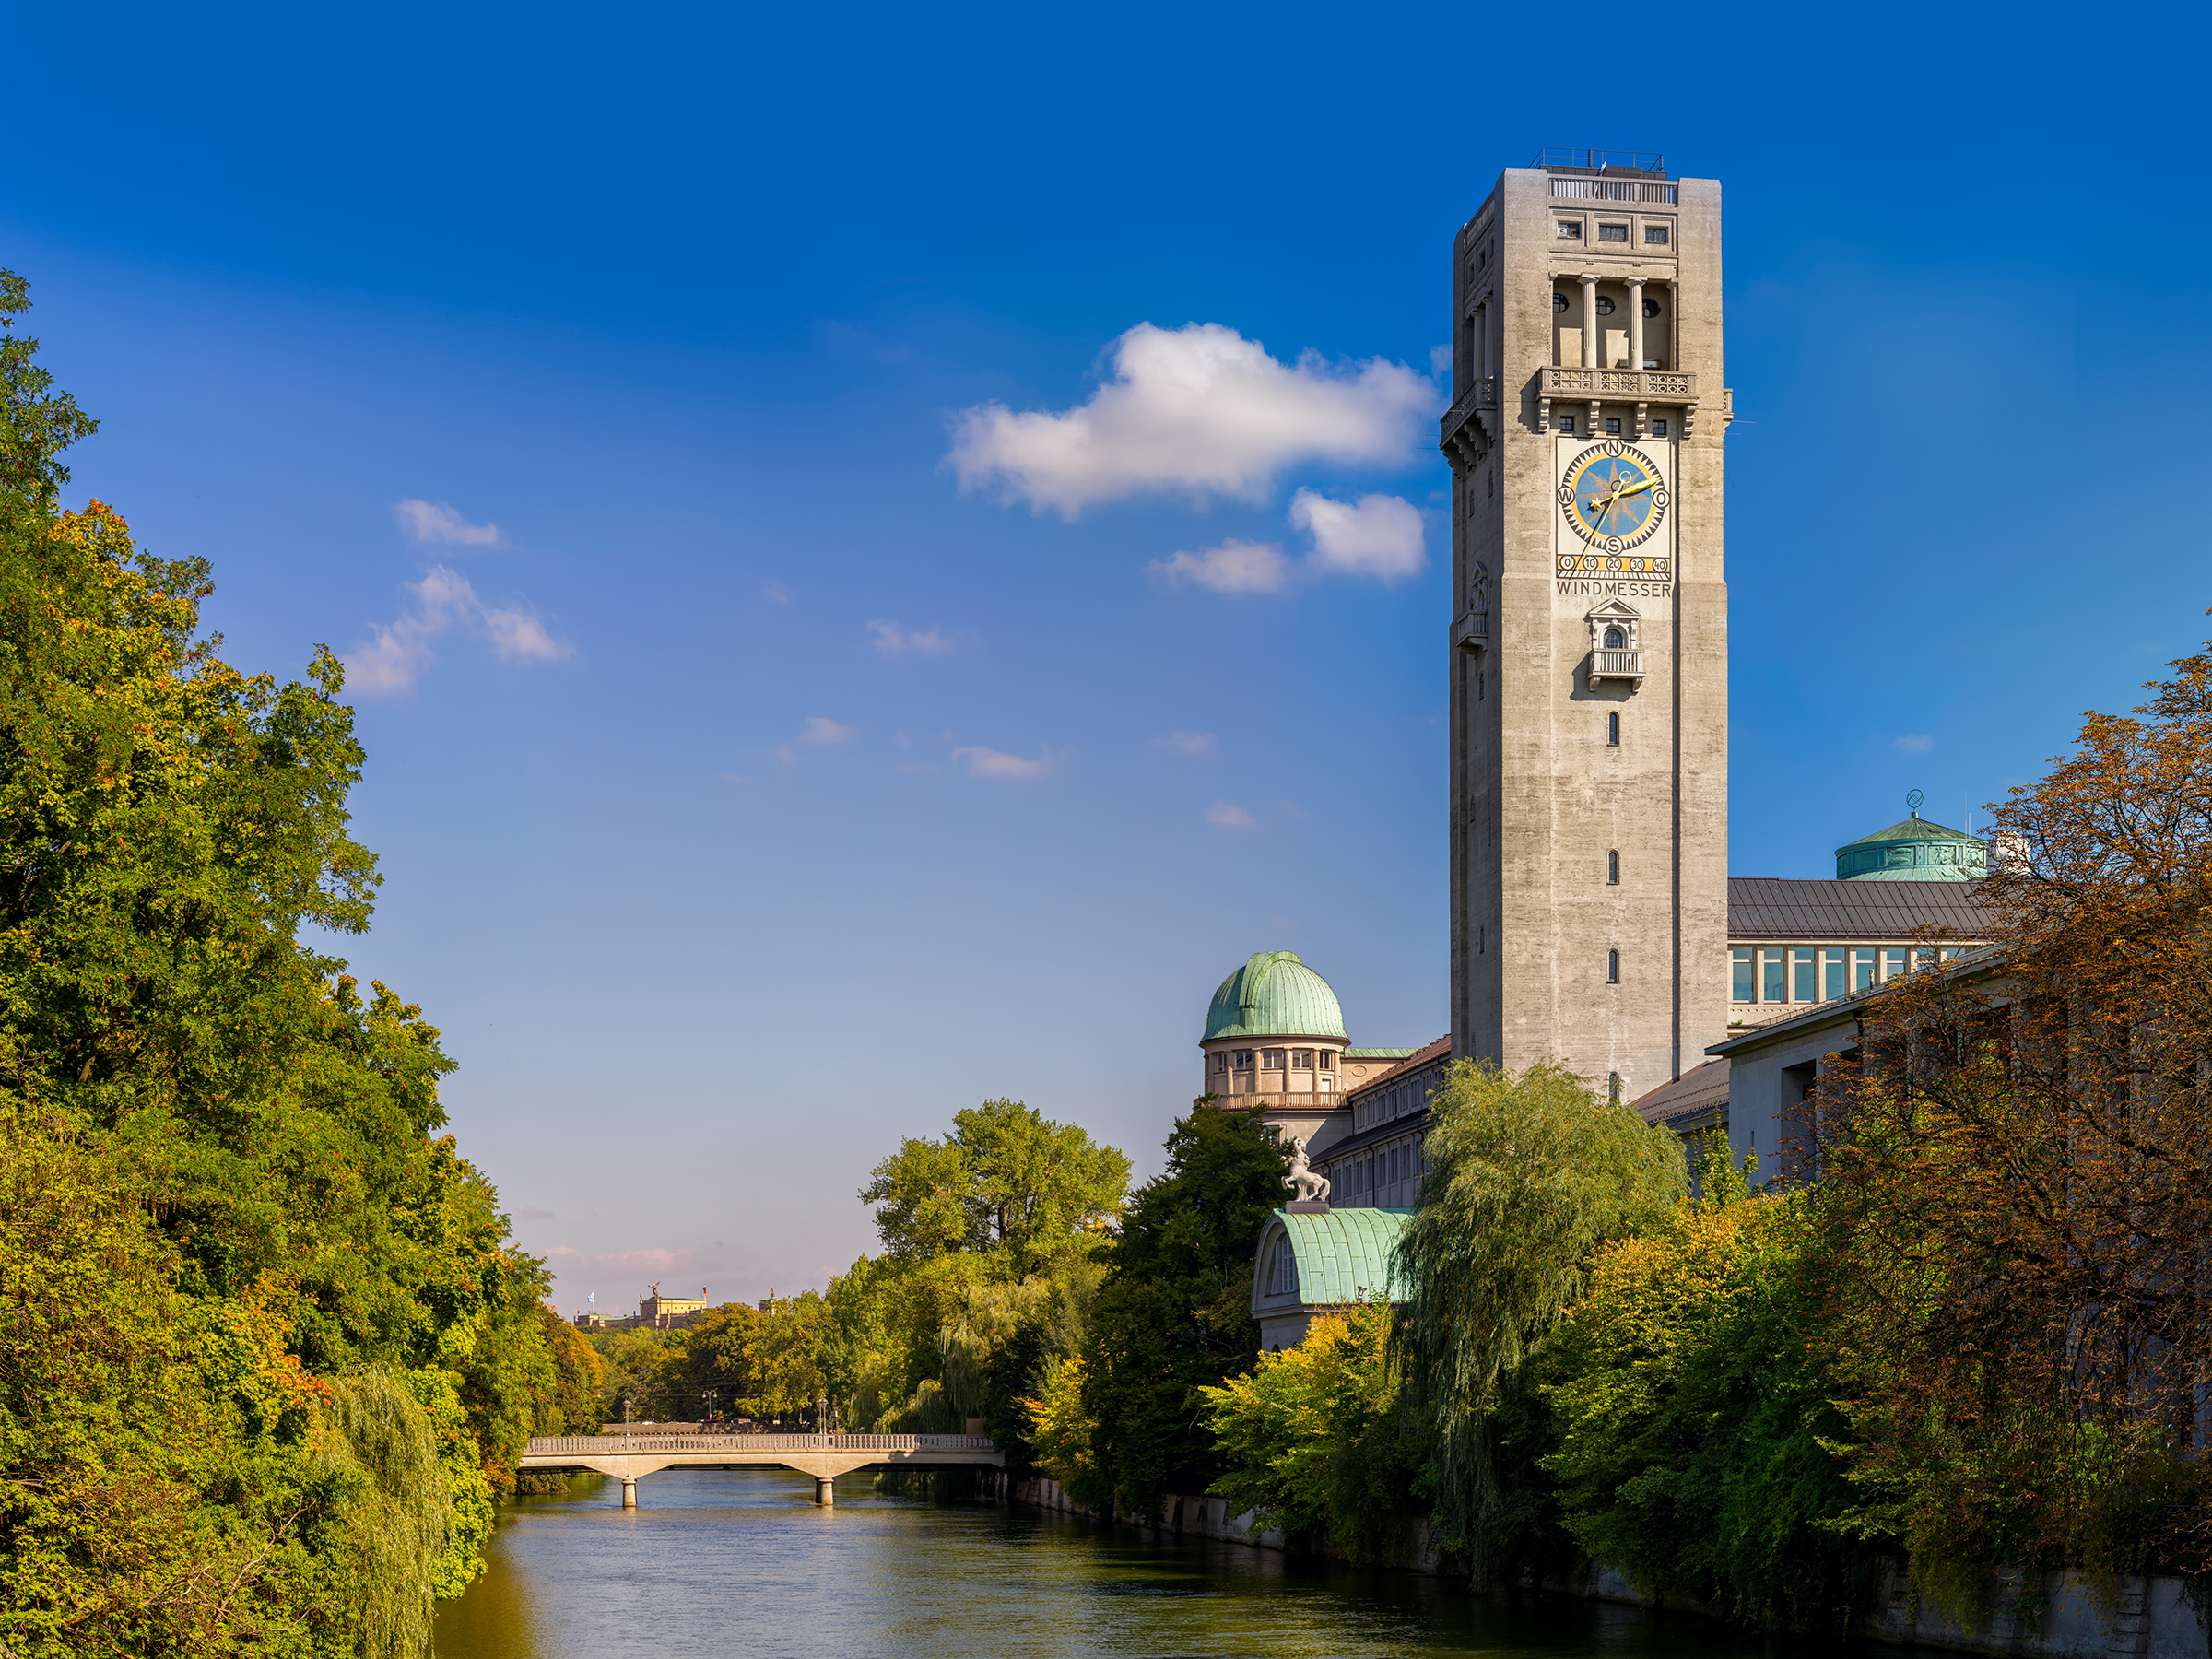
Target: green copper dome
[[1914, 849], [1274, 994]]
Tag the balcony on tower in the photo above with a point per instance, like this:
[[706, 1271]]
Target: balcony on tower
[[1616, 653]]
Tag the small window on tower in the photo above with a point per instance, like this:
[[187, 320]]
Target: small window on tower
[[1659, 427], [1613, 233], [1612, 966], [1616, 640], [1327, 1061], [1613, 425], [1612, 869], [1271, 1059], [1650, 307], [1612, 731], [1567, 423], [1220, 1062], [1301, 1059], [1571, 229], [1244, 1059], [1654, 236], [1606, 307], [1558, 303]]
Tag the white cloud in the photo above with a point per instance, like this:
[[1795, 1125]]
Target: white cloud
[[1222, 816], [820, 728], [1234, 567], [1439, 359], [397, 652], [1378, 536], [1913, 743], [894, 641], [437, 521], [775, 593], [1187, 743], [1197, 410], [1003, 768]]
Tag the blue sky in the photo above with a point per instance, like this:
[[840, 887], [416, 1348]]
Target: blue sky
[[773, 750]]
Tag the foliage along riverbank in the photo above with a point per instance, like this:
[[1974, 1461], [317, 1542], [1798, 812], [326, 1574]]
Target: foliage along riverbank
[[267, 1355]]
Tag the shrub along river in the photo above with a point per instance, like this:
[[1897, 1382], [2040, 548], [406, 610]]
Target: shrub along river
[[720, 1562]]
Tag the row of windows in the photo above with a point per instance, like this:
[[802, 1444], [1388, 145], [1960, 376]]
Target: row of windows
[[1613, 425], [1814, 973], [1272, 1059], [1386, 1167], [1606, 305], [1654, 236]]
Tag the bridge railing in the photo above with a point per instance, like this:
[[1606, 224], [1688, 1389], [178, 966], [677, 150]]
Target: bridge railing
[[614, 1445]]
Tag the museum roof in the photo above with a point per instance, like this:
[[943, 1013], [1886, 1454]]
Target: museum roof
[[1343, 1256], [1765, 907], [1414, 1059], [1694, 1094], [1274, 994]]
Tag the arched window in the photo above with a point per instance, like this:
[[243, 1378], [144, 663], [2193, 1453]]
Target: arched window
[[1616, 640]]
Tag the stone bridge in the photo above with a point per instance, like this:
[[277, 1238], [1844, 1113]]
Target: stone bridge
[[626, 1458]]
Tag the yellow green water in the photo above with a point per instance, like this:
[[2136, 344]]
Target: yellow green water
[[722, 1562]]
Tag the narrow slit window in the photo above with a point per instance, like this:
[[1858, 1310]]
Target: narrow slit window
[[1613, 731], [1612, 966], [1739, 960], [1806, 972], [1774, 985], [1612, 869]]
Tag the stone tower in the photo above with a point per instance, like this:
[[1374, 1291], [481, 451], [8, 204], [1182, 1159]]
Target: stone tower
[[1589, 641]]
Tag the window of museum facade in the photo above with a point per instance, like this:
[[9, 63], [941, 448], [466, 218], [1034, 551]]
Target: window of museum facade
[[1805, 974]]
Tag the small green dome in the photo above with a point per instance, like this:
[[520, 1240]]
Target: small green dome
[[1914, 849], [1274, 994]]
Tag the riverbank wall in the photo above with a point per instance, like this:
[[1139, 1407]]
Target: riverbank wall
[[2065, 1616]]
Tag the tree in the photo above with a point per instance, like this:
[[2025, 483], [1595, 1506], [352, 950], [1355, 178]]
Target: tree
[[332, 1286], [1173, 1314], [2017, 1179], [1529, 1174], [1008, 1183]]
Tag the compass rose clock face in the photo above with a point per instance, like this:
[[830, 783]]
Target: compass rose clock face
[[1613, 499]]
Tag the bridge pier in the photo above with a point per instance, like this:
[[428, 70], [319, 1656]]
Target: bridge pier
[[825, 1491], [629, 1493]]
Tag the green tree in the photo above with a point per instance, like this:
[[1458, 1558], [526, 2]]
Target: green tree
[[280, 1204], [1008, 1183], [1529, 1174], [1173, 1314]]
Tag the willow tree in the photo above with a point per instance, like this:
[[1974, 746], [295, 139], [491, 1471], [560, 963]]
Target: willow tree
[[2017, 1179], [1529, 1174]]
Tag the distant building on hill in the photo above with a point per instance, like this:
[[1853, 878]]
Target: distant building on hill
[[655, 1313]]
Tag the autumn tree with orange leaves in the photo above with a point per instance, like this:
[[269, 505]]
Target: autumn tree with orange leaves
[[2017, 1182]]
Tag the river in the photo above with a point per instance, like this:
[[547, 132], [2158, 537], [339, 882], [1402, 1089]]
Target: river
[[742, 1562]]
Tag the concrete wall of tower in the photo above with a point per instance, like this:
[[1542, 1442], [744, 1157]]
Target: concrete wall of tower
[[1540, 795]]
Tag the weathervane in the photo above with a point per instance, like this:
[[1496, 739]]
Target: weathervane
[[1912, 799]]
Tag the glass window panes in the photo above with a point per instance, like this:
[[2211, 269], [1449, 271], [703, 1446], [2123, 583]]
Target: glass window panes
[[1565, 423], [1301, 1059], [1571, 229], [1897, 962], [1835, 969], [1740, 973], [1654, 236], [1773, 979], [1862, 969], [1272, 1060], [1659, 428], [1613, 424], [1327, 1061], [1613, 233], [1808, 988]]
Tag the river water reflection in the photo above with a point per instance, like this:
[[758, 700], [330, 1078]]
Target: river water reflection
[[720, 1562]]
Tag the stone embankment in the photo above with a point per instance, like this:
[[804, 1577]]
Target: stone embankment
[[2069, 1615]]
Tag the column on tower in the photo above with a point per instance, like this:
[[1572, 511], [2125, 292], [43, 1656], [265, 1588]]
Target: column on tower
[[1636, 323], [1590, 335]]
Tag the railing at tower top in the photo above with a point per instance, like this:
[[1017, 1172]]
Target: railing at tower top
[[1651, 163], [1614, 190]]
